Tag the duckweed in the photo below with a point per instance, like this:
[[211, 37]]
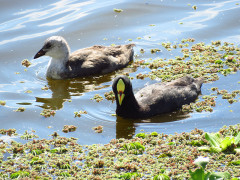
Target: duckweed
[[78, 114], [3, 103], [20, 109], [117, 10], [26, 63], [147, 158], [19, 174], [69, 128], [47, 113], [97, 98], [110, 96], [98, 129]]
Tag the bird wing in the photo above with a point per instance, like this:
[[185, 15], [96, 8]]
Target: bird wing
[[161, 98], [100, 59]]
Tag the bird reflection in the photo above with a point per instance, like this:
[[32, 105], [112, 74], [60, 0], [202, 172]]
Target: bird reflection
[[125, 128], [62, 90]]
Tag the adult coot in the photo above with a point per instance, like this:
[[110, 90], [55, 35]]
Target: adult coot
[[154, 99]]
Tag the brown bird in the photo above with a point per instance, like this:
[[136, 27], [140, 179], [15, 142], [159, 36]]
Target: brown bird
[[156, 98], [89, 61]]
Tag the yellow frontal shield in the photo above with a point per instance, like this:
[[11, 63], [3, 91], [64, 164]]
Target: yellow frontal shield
[[120, 90]]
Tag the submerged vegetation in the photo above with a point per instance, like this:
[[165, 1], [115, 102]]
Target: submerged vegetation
[[146, 156]]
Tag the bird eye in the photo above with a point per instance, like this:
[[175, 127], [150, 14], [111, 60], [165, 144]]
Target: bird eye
[[48, 46]]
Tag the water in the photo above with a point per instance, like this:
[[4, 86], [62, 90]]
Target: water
[[25, 25]]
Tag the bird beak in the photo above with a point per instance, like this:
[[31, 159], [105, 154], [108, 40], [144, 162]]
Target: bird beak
[[120, 90], [40, 53], [120, 97]]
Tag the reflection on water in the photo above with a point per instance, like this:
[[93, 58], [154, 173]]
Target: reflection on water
[[62, 90], [125, 128]]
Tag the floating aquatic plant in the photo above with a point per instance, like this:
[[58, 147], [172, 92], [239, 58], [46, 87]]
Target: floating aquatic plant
[[26, 63], [110, 96], [98, 129], [47, 112], [199, 174], [19, 174], [130, 175], [8, 131], [36, 160], [26, 135], [3, 103], [20, 109], [222, 144], [97, 98], [134, 148], [69, 128], [141, 135], [117, 10], [78, 114], [52, 158]]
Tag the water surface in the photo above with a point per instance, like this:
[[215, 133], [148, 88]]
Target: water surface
[[25, 25]]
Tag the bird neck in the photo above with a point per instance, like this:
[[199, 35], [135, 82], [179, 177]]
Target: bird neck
[[57, 67], [129, 108]]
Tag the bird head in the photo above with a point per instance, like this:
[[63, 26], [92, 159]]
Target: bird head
[[55, 47], [122, 89]]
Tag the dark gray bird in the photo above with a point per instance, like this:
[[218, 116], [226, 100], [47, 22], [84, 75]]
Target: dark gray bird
[[89, 61], [156, 98]]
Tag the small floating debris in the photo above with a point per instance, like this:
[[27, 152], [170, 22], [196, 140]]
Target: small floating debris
[[26, 135], [194, 7], [26, 63], [78, 114], [20, 109], [118, 10], [142, 51], [69, 128], [54, 134], [47, 113], [8, 132], [45, 88], [155, 50], [3, 103], [28, 91], [110, 96], [98, 129], [97, 98]]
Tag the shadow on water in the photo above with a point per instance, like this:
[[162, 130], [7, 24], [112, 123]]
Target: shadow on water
[[125, 127]]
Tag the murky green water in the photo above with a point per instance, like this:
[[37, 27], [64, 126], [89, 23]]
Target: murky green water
[[25, 25]]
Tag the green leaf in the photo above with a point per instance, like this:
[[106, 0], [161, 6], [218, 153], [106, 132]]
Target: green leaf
[[220, 175], [198, 174], [206, 176], [237, 139], [235, 163], [161, 177], [237, 150], [215, 149], [204, 148], [226, 143], [214, 139]]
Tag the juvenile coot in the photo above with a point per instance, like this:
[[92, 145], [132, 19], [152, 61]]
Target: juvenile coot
[[89, 61]]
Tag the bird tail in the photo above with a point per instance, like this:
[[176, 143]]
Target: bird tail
[[129, 46], [199, 82]]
